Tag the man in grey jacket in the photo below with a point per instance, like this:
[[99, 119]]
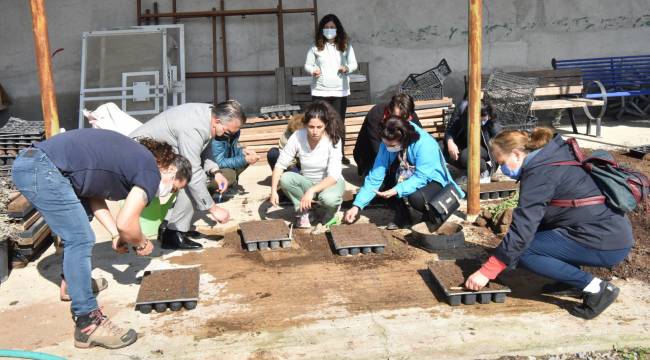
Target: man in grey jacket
[[189, 129]]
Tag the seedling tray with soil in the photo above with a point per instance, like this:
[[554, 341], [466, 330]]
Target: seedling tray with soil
[[498, 190], [173, 288], [265, 234], [450, 275], [358, 239]]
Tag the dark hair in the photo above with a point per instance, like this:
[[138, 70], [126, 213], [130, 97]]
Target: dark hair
[[184, 168], [229, 110], [163, 152], [395, 128], [328, 115], [341, 39], [405, 104], [488, 110]]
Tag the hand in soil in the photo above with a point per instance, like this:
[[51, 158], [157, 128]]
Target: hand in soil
[[386, 194], [476, 281], [351, 215], [120, 246], [218, 214], [274, 198]]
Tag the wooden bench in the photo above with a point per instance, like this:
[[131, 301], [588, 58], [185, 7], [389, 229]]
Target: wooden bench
[[298, 92], [616, 77], [264, 135], [562, 89]]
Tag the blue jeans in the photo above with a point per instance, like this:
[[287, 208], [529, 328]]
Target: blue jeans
[[52, 194], [556, 257]]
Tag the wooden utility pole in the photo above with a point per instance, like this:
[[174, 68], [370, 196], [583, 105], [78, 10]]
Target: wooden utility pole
[[473, 167], [44, 63]]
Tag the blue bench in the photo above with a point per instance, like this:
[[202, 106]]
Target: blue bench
[[620, 77]]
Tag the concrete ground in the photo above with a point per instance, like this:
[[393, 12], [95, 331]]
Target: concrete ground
[[306, 303]]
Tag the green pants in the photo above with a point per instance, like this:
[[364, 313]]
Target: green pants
[[295, 185]]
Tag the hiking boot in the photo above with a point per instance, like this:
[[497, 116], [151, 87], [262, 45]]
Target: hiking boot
[[95, 329], [561, 289], [98, 285], [594, 304]]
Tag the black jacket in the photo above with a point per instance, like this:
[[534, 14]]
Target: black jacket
[[595, 226], [457, 130], [368, 140]]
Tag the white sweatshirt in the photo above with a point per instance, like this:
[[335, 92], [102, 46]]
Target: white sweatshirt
[[330, 83], [317, 164]]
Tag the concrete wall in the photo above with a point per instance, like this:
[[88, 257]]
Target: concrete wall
[[396, 37]]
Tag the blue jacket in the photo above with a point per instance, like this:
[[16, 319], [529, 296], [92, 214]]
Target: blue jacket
[[595, 226], [227, 153], [429, 164]]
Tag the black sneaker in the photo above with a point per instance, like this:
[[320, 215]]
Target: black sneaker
[[594, 304], [561, 289]]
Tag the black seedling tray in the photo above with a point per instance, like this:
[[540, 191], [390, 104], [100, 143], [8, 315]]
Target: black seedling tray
[[458, 295], [277, 236]]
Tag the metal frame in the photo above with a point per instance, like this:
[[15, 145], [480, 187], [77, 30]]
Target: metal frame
[[176, 16], [160, 90]]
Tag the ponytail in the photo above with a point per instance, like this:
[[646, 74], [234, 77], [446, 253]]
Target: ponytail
[[510, 140]]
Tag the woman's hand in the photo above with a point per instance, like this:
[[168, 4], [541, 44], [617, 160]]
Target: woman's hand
[[344, 69], [306, 200], [274, 198], [144, 249], [351, 215], [452, 148], [119, 246], [476, 281], [386, 194], [316, 73]]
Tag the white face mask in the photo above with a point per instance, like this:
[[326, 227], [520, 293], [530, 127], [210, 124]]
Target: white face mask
[[329, 33], [394, 149], [166, 183]]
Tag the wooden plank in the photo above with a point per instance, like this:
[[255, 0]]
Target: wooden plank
[[564, 104], [280, 90], [19, 207]]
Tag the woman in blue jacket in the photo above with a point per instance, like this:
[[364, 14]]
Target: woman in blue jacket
[[422, 171], [550, 240]]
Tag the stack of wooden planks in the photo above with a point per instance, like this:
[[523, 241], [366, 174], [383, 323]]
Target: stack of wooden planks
[[35, 236], [262, 135]]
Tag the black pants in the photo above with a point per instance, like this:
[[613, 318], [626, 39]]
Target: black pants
[[417, 201], [463, 158], [272, 157], [341, 106]]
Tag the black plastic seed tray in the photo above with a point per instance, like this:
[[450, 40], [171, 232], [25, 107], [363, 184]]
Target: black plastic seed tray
[[358, 239], [640, 151], [491, 195], [173, 288], [265, 235], [450, 275]]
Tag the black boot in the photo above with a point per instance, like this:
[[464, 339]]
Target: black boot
[[176, 240], [402, 217], [594, 304], [161, 229]]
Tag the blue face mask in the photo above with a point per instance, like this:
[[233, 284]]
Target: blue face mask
[[511, 173]]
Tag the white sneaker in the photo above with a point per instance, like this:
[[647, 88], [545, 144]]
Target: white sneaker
[[485, 177], [302, 221]]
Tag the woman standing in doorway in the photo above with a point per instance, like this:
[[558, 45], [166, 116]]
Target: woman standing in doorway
[[329, 61]]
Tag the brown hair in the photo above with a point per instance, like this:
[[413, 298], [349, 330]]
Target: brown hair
[[163, 152], [341, 40], [509, 140], [395, 128], [295, 122], [405, 104], [328, 115]]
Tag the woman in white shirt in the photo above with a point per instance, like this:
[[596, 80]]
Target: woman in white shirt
[[318, 147], [329, 61]]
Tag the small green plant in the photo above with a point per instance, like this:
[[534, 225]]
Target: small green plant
[[510, 202], [634, 353]]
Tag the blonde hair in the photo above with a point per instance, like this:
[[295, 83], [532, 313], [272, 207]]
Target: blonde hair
[[510, 140], [295, 122]]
